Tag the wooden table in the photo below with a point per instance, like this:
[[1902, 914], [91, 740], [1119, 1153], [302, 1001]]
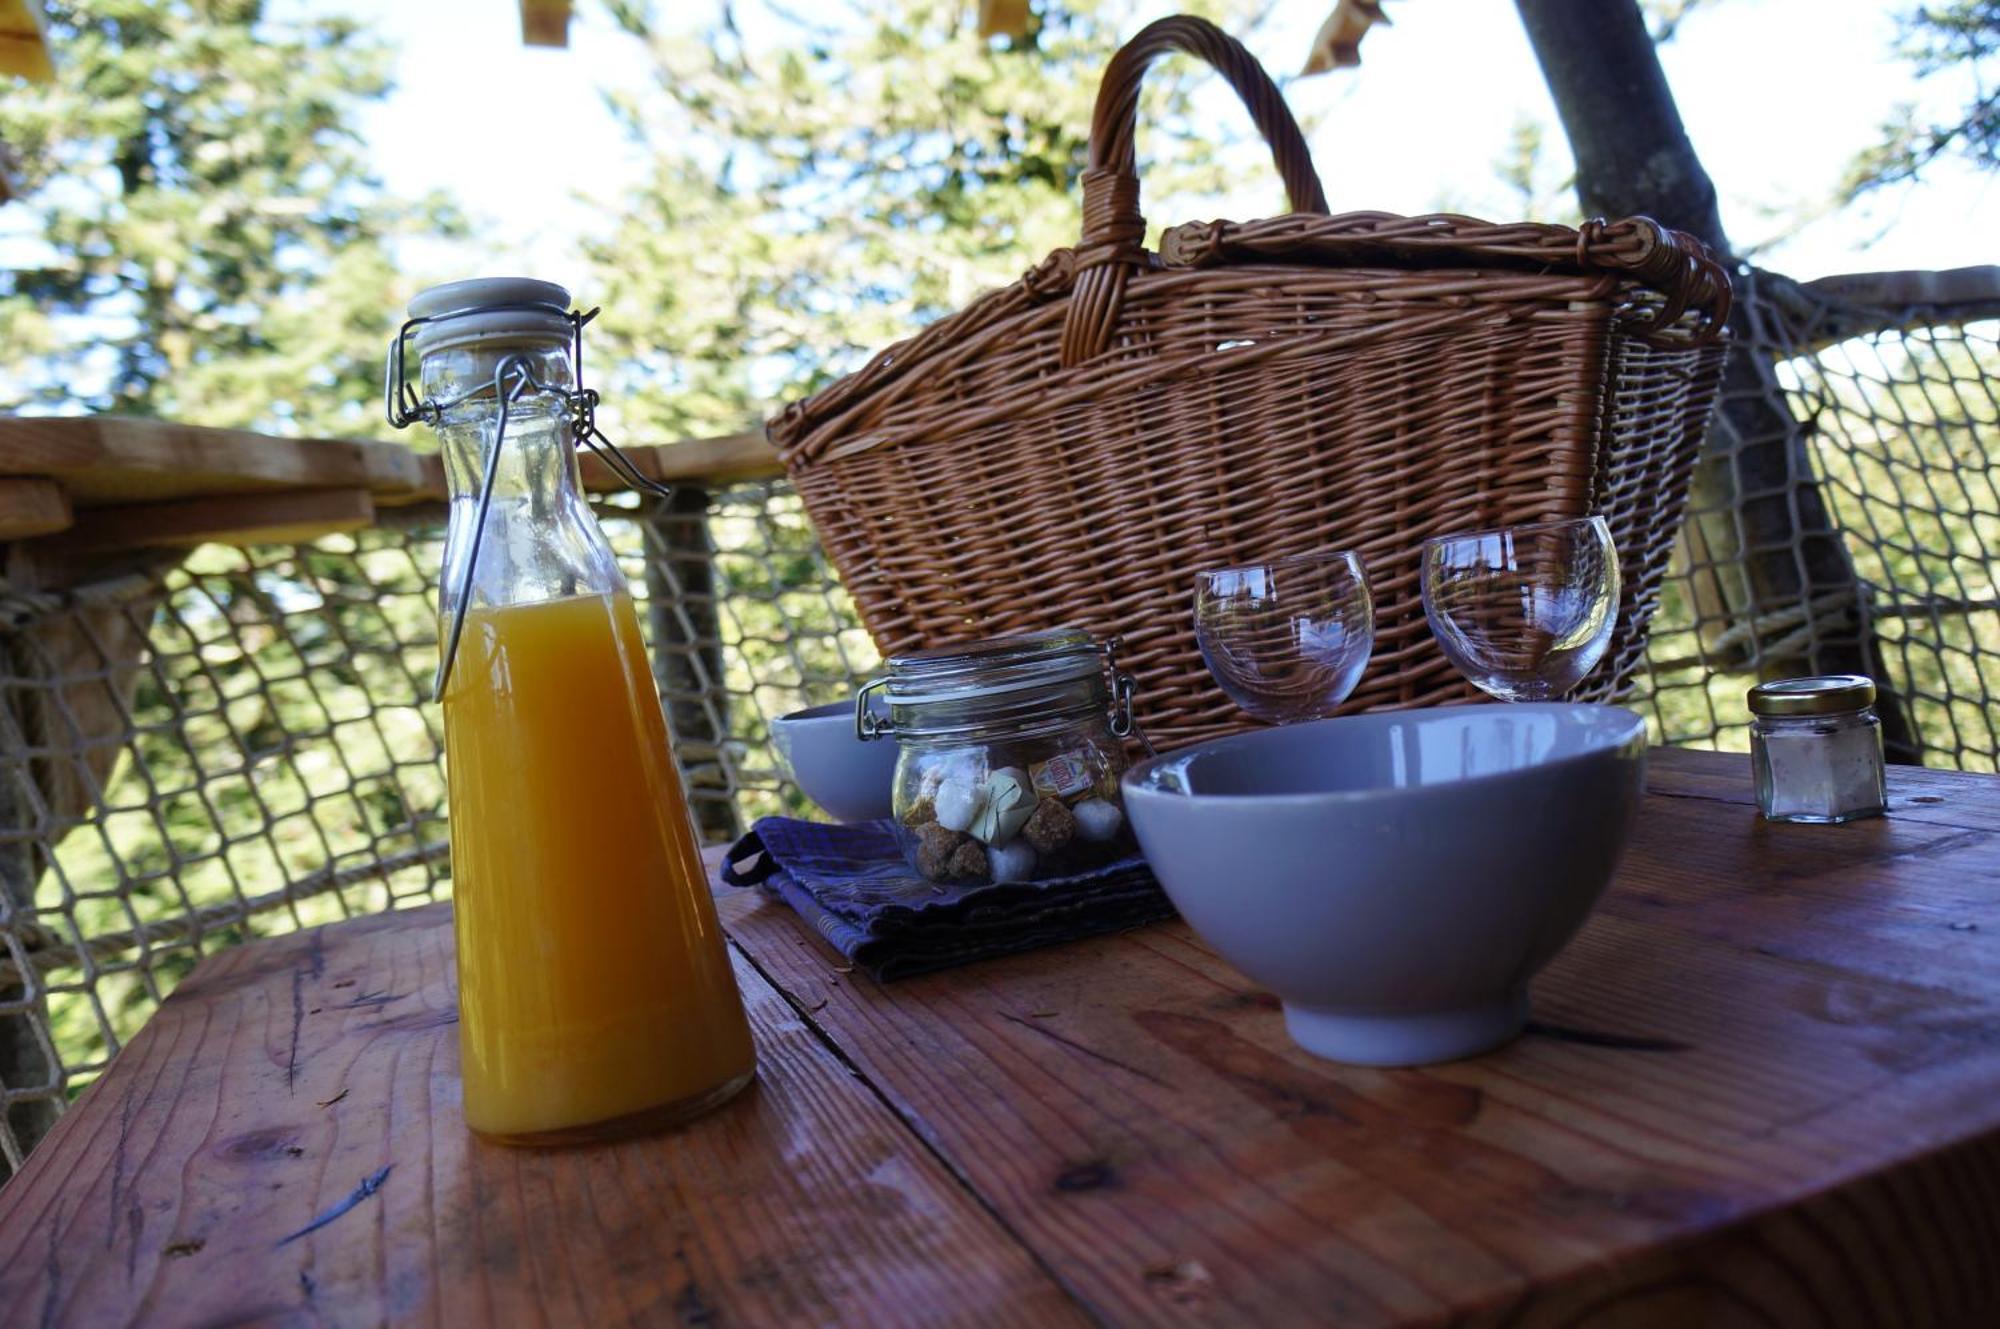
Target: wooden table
[[1763, 1089]]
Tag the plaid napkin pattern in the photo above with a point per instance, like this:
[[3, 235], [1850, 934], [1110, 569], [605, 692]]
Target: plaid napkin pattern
[[853, 885]]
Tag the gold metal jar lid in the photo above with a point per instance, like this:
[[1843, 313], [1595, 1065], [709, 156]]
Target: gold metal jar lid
[[1831, 694]]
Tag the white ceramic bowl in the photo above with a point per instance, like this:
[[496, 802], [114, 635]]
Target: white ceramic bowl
[[1396, 878], [850, 779]]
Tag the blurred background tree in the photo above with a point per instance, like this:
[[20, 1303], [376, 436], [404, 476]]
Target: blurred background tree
[[207, 242], [1953, 43], [1954, 40], [852, 173]]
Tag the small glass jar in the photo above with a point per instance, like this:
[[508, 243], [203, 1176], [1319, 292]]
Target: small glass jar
[[1009, 755], [1816, 749]]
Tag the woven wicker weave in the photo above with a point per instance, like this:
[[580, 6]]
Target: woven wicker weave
[[1074, 447]]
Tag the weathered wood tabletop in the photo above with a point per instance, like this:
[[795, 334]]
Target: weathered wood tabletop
[[1763, 1089]]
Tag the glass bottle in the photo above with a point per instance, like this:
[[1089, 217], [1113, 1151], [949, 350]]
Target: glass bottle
[[1816, 749], [596, 997]]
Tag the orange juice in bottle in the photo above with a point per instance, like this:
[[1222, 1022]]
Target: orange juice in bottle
[[595, 992]]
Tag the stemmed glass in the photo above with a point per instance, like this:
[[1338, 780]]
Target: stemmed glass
[[1286, 639], [1524, 612]]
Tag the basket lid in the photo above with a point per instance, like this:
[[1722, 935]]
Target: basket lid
[[1665, 287]]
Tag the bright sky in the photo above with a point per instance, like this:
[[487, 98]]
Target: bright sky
[[1777, 95]]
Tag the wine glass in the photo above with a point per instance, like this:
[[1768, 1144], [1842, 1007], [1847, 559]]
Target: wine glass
[[1286, 639], [1524, 612]]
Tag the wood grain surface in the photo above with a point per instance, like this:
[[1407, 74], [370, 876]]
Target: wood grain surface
[[282, 1145], [32, 505], [104, 459], [1763, 1088], [283, 516], [727, 459]]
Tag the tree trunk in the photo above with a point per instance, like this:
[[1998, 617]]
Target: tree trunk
[[1755, 501]]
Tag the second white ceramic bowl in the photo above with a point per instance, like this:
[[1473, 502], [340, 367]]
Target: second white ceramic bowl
[[852, 780], [1396, 878]]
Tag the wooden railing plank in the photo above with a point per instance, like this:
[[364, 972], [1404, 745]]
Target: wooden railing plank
[[32, 505], [545, 22], [24, 50], [708, 462], [715, 461], [286, 516], [104, 459]]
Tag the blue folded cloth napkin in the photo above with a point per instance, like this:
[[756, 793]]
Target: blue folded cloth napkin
[[853, 885]]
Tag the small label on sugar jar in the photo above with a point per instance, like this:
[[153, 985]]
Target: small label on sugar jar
[[1060, 776]]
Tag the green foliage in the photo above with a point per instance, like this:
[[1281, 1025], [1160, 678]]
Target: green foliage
[[823, 193], [1958, 39], [210, 244], [791, 634]]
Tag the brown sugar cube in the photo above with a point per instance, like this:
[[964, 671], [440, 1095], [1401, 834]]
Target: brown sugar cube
[[969, 859], [923, 812], [935, 847], [1051, 827]]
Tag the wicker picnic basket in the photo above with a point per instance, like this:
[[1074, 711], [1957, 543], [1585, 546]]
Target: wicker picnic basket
[[1074, 447]]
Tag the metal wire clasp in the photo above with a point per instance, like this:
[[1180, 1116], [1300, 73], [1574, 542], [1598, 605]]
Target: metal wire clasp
[[513, 378], [1123, 723], [867, 724]]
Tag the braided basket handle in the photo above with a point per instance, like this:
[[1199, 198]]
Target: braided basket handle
[[1114, 231]]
